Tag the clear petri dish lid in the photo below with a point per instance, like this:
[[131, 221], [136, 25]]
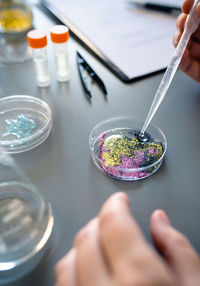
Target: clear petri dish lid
[[25, 122], [26, 224]]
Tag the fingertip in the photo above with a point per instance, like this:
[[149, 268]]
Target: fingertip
[[116, 207], [173, 245], [159, 227], [186, 6], [122, 197], [118, 199], [93, 224], [160, 217]]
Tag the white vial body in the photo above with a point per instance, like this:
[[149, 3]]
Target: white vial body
[[41, 66], [62, 61]]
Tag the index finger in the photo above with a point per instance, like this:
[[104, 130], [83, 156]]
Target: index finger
[[120, 235]]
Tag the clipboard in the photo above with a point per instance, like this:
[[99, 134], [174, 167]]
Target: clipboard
[[141, 50]]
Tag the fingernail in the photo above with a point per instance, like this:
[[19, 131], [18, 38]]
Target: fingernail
[[162, 217]]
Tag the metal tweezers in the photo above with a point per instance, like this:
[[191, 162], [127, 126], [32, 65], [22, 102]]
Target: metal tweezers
[[83, 65]]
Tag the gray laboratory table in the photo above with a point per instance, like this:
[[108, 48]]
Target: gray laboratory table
[[62, 168]]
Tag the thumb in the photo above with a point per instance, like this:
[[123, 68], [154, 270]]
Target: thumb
[[176, 249]]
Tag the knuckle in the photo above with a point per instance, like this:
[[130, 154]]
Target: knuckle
[[143, 270], [180, 240], [178, 21], [144, 277], [193, 257], [132, 278]]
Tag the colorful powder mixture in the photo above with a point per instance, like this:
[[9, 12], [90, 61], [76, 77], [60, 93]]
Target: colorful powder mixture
[[121, 152]]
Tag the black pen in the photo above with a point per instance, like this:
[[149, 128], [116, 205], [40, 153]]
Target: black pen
[[156, 6]]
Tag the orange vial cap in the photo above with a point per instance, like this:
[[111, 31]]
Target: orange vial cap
[[37, 39], [59, 34]]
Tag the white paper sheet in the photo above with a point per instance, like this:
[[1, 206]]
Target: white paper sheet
[[137, 41]]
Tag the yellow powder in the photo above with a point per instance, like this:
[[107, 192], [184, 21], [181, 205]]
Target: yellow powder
[[15, 19]]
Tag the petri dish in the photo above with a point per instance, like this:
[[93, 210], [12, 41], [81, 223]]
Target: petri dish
[[26, 224], [25, 123], [117, 150]]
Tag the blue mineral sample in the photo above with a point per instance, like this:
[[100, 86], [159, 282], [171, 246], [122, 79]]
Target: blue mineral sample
[[21, 127]]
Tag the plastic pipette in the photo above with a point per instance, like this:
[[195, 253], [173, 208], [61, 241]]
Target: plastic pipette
[[192, 22]]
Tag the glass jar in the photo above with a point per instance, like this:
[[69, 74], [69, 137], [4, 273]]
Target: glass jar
[[16, 19], [15, 16]]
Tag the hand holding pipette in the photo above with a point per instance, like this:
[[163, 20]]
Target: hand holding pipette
[[190, 63], [191, 25]]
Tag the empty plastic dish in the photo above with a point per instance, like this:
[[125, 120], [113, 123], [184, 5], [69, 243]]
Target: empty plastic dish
[[25, 122], [119, 152]]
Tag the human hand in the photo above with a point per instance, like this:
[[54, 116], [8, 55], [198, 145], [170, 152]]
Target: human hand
[[112, 251], [190, 63]]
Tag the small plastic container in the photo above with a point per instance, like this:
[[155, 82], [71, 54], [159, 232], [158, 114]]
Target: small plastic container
[[26, 222], [25, 122], [60, 37], [37, 41], [117, 152]]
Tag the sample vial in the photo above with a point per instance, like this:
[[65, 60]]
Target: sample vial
[[37, 40], [60, 37]]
